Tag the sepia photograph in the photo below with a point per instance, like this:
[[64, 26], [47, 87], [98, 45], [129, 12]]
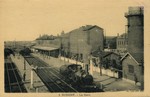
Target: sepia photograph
[[74, 48]]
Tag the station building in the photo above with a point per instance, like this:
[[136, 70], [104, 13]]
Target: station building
[[76, 44]]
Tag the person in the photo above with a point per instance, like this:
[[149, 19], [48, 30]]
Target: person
[[135, 78]]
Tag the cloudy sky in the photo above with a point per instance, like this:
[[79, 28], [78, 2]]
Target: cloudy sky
[[27, 19]]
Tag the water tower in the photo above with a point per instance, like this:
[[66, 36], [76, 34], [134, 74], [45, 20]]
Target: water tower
[[135, 26]]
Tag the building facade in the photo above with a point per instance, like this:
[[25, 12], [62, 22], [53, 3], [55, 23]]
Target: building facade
[[110, 42], [132, 68], [135, 25], [85, 40], [122, 42], [133, 61], [76, 44]]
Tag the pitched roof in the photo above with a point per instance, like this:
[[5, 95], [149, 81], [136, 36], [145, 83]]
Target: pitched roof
[[124, 35], [107, 54], [45, 48], [104, 54], [89, 27], [137, 57]]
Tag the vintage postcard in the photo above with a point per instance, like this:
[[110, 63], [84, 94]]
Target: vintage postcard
[[74, 48]]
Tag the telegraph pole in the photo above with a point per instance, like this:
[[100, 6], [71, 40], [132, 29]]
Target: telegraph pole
[[31, 85], [100, 64], [142, 75], [24, 75], [91, 64], [32, 76], [77, 48]]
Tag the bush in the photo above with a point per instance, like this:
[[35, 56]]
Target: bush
[[7, 52]]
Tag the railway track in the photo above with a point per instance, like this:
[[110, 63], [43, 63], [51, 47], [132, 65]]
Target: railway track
[[13, 81], [50, 76]]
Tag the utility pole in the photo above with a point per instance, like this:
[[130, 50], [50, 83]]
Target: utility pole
[[77, 48], [91, 64], [24, 75], [126, 40], [24, 64], [24, 60], [142, 75], [68, 49], [62, 50], [31, 85], [32, 76], [100, 58]]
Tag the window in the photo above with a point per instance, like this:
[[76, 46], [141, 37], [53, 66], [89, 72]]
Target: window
[[118, 42], [131, 69]]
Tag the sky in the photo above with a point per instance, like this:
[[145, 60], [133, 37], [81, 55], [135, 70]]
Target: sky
[[27, 19]]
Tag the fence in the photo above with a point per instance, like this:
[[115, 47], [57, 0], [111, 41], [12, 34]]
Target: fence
[[72, 61], [107, 72]]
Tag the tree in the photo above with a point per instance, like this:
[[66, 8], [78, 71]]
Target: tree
[[101, 60], [106, 63], [7, 52]]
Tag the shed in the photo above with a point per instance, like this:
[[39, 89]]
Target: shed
[[132, 66]]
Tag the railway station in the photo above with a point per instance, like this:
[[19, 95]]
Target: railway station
[[41, 73], [77, 61], [49, 51]]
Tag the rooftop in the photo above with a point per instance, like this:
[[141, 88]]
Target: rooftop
[[124, 35], [138, 57], [104, 54], [45, 48]]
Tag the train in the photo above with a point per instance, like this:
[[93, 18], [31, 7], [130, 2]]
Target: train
[[78, 78]]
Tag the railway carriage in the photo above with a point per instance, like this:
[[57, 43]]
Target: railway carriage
[[76, 74], [78, 77]]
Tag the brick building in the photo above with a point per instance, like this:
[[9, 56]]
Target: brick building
[[133, 61], [85, 40], [122, 42], [76, 44], [132, 67]]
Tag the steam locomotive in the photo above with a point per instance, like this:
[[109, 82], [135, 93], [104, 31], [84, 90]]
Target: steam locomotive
[[78, 77]]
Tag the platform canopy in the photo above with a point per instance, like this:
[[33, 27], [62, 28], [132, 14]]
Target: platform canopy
[[45, 48]]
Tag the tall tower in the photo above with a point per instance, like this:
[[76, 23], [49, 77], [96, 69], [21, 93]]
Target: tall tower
[[135, 31]]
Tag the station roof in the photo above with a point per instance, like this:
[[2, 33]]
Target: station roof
[[45, 48]]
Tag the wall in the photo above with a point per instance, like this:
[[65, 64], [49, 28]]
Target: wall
[[78, 41], [135, 30], [107, 72], [96, 38], [122, 42], [126, 73]]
